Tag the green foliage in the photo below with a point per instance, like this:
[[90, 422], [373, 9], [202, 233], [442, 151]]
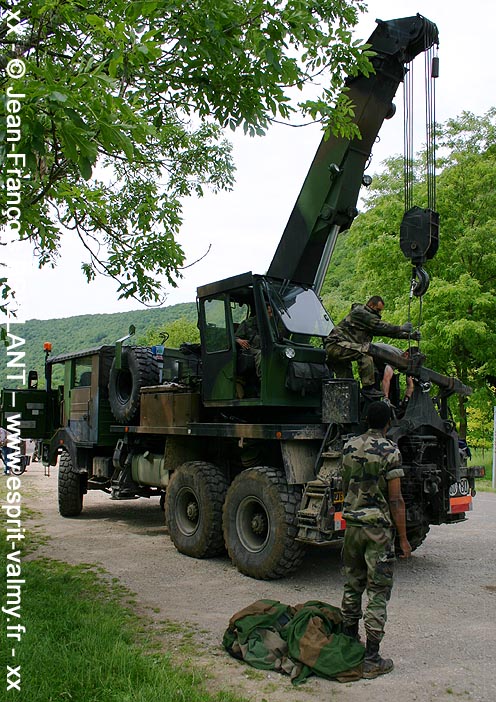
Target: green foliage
[[123, 106], [175, 333], [457, 318], [89, 331], [480, 422]]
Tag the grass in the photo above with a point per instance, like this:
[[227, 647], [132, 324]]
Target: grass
[[483, 458], [85, 643]]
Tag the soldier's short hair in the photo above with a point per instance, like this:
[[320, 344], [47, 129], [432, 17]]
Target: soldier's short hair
[[378, 415], [375, 300]]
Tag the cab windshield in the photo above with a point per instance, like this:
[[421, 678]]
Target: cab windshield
[[299, 308]]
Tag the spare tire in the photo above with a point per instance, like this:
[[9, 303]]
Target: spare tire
[[138, 369]]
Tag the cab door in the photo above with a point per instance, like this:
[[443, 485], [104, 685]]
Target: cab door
[[218, 353]]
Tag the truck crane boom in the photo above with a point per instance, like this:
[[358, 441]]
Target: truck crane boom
[[327, 202]]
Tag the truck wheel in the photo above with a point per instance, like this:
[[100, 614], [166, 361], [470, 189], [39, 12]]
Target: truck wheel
[[260, 523], [138, 370], [193, 509], [70, 488]]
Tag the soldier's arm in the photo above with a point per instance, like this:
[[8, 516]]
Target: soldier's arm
[[372, 323], [397, 506], [242, 333], [392, 331]]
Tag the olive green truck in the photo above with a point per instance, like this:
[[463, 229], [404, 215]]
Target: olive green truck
[[244, 452]]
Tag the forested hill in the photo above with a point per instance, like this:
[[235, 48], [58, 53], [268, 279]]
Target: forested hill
[[86, 331]]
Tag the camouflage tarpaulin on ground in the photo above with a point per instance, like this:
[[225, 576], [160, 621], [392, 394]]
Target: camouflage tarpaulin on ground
[[300, 641]]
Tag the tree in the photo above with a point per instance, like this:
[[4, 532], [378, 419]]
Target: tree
[[173, 334], [120, 109], [458, 314]]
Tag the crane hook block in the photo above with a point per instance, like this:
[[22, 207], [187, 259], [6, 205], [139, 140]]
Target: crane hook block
[[420, 281], [419, 234]]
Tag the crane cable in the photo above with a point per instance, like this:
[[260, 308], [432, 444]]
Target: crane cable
[[431, 73]]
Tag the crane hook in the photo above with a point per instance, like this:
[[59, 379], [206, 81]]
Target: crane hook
[[420, 282]]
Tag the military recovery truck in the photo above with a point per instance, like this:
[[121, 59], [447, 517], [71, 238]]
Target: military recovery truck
[[243, 448]]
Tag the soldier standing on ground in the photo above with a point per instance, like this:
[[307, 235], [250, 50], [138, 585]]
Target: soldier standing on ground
[[373, 506], [350, 339]]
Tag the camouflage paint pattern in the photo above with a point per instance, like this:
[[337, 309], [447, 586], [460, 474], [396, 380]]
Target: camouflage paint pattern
[[368, 556], [248, 330], [300, 641], [327, 201], [339, 358], [369, 461], [349, 341]]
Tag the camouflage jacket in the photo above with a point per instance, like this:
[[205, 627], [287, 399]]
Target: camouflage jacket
[[361, 325], [369, 461], [248, 329]]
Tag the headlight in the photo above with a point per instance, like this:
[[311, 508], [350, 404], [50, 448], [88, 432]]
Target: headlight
[[289, 352]]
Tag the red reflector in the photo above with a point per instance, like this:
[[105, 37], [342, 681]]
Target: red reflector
[[460, 504], [339, 522]]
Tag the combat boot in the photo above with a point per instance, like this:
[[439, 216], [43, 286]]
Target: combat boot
[[373, 664]]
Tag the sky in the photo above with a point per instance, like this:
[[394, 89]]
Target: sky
[[243, 227]]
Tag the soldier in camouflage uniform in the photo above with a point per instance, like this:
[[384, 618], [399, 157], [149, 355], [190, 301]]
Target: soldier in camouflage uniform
[[248, 338], [349, 341], [373, 506]]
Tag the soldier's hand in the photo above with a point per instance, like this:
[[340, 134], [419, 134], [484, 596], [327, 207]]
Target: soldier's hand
[[407, 327], [405, 548], [415, 336], [243, 343]]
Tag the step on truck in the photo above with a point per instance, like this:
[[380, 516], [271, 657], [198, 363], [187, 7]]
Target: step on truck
[[243, 446]]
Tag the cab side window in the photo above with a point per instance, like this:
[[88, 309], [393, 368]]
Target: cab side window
[[82, 373], [216, 330]]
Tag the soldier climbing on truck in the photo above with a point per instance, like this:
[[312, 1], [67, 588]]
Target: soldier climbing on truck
[[351, 338], [258, 475]]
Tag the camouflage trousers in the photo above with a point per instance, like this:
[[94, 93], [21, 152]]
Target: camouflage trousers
[[339, 358], [368, 556]]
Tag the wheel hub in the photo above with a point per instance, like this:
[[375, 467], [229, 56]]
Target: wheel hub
[[187, 511], [259, 524], [252, 524], [192, 511]]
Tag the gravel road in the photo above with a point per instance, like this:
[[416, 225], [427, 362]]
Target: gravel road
[[441, 631]]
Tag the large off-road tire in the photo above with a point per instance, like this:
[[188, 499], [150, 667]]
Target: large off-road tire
[[70, 488], [193, 509], [259, 520], [138, 370]]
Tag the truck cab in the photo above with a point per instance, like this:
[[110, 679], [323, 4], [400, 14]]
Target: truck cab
[[285, 364]]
